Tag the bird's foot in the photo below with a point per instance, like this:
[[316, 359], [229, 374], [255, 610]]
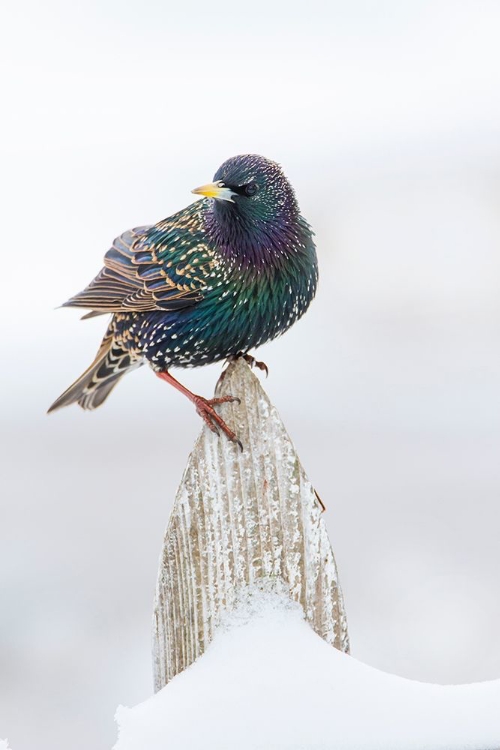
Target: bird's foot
[[254, 362], [205, 408], [249, 359]]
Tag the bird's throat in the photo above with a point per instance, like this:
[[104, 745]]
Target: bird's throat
[[249, 242]]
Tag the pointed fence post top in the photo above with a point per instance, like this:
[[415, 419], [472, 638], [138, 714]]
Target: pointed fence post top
[[241, 517]]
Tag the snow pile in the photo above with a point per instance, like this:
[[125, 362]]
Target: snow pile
[[4, 745], [268, 681]]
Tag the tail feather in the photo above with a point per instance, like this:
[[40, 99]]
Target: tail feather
[[96, 383]]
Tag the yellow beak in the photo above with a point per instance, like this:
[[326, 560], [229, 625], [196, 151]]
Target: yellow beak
[[215, 190]]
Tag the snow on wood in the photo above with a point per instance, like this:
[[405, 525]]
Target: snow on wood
[[240, 517], [268, 681]]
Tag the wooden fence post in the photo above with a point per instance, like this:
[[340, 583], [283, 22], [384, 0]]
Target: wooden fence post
[[240, 518]]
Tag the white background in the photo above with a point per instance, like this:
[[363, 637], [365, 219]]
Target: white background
[[385, 116]]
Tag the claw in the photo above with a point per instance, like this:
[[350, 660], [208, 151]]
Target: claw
[[256, 363], [224, 400], [249, 359], [205, 408]]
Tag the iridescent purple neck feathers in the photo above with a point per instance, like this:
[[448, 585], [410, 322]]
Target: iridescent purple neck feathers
[[260, 226]]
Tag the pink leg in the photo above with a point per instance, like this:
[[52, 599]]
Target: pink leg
[[204, 407]]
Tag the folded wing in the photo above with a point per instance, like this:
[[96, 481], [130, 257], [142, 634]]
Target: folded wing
[[166, 266]]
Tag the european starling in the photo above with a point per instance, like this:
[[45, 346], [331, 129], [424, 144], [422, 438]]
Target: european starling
[[220, 277]]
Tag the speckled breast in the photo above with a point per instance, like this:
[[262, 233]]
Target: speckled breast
[[233, 318]]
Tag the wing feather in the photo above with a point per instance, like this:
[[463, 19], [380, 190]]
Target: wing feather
[[159, 267]]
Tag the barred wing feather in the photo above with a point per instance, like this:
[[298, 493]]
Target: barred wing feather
[[159, 267]]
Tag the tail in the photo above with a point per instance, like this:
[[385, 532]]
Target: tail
[[94, 386]]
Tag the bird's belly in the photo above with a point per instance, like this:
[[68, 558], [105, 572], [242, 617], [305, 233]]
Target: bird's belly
[[210, 332]]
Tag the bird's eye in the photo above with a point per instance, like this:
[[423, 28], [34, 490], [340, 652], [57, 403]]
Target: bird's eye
[[251, 188]]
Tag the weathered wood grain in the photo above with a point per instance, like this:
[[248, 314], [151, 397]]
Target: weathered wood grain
[[240, 517]]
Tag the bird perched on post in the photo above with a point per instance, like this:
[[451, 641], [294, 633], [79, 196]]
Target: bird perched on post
[[222, 276]]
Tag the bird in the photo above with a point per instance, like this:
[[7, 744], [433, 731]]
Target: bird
[[209, 283]]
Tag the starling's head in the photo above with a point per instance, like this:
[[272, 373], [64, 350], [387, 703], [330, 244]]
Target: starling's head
[[252, 190]]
